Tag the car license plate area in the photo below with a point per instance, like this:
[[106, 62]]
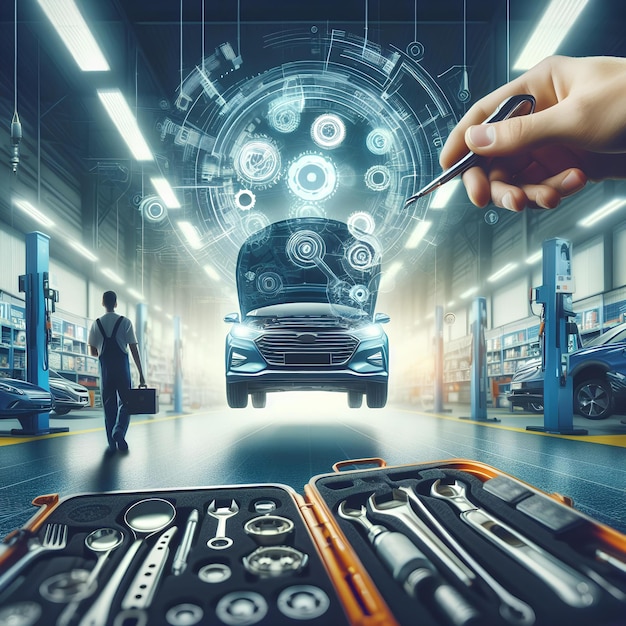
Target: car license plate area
[[307, 358]]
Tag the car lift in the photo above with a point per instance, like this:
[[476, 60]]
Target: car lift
[[40, 300], [556, 296]]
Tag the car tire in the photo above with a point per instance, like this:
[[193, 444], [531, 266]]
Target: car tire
[[376, 395], [593, 399], [237, 395], [61, 411], [259, 399], [355, 399]]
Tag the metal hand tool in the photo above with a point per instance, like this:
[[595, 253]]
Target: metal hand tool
[[303, 602], [273, 561], [572, 587], [144, 518], [268, 530], [180, 558], [241, 607], [511, 107], [54, 538], [221, 514], [400, 509], [512, 609], [410, 567]]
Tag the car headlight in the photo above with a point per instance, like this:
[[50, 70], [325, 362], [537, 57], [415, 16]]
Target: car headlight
[[371, 331], [376, 359], [10, 389], [516, 386], [241, 331]]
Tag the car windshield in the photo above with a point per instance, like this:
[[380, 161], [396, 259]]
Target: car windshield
[[307, 309], [615, 335]]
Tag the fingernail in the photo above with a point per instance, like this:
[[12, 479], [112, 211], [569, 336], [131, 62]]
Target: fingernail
[[508, 202], [482, 135], [572, 182]]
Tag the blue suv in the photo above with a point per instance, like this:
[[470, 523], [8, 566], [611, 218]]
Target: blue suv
[[307, 291], [598, 371]]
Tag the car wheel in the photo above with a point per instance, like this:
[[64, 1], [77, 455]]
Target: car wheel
[[61, 411], [536, 407], [593, 399], [259, 398], [237, 395], [355, 399], [376, 395]]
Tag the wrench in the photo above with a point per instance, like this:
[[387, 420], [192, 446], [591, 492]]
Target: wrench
[[410, 567], [572, 587], [512, 609], [221, 514]]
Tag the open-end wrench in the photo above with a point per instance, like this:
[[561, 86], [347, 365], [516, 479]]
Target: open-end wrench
[[221, 514], [512, 609], [571, 586], [399, 508], [410, 567]]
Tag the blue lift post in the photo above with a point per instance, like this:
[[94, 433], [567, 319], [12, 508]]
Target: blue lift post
[[39, 303], [438, 349], [556, 296], [478, 367], [178, 366]]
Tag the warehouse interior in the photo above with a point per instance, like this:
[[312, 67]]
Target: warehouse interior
[[197, 77]]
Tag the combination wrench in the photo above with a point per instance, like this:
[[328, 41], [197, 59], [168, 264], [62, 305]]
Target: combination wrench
[[572, 587]]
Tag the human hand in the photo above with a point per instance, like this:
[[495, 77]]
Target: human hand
[[577, 133]]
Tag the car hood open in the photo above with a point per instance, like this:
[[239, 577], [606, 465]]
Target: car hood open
[[309, 260]]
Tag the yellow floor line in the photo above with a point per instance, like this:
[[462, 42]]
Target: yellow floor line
[[607, 440]]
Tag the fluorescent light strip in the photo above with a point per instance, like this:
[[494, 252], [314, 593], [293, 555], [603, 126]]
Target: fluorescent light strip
[[36, 214], [418, 234], [508, 268], [394, 268], [554, 25], [191, 234], [111, 275], [135, 294], [73, 30], [82, 250], [125, 122], [469, 292], [533, 258], [212, 273], [602, 212], [444, 193], [165, 191]]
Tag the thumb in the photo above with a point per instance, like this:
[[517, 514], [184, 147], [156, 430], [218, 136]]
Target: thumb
[[513, 135]]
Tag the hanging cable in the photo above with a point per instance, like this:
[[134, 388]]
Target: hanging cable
[[415, 23], [16, 125], [181, 46], [366, 25], [203, 37], [239, 28], [508, 39]]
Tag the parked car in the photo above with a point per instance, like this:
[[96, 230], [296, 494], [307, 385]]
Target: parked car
[[598, 371], [19, 398], [67, 395], [307, 291]]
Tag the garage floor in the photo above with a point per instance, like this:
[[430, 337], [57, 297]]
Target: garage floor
[[301, 435]]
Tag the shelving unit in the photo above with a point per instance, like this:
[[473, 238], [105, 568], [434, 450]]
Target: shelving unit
[[12, 341]]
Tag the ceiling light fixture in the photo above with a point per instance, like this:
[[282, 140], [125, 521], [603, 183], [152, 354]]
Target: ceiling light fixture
[[468, 292], [125, 122], [418, 234], [533, 258], [165, 191], [212, 273], [82, 250], [507, 269], [135, 294], [73, 30], [444, 193], [602, 212], [191, 234], [111, 275], [552, 28], [36, 214]]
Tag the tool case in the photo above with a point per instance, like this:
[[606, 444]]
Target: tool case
[[446, 542]]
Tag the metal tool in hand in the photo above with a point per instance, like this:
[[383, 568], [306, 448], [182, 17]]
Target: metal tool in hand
[[522, 104], [410, 567], [572, 587], [54, 538], [512, 609], [221, 514], [144, 518]]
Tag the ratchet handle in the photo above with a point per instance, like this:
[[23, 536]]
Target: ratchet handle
[[410, 567], [572, 587]]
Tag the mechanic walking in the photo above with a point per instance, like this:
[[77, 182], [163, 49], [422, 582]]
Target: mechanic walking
[[110, 337]]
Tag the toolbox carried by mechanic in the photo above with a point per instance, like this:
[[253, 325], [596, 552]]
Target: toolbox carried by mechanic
[[452, 542]]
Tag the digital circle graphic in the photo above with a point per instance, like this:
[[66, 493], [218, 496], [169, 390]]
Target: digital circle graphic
[[305, 247], [312, 177], [328, 131]]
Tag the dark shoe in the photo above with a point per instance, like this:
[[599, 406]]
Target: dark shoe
[[110, 449], [121, 442]]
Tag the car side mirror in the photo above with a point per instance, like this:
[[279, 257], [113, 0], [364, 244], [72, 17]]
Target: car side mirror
[[381, 318], [232, 318]]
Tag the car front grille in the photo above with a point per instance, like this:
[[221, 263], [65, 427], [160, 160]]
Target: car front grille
[[306, 348]]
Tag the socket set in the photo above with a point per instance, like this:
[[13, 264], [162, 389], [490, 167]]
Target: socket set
[[452, 543]]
